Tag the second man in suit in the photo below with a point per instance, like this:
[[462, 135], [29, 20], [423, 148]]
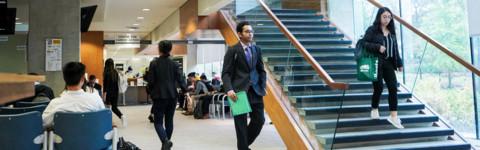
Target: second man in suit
[[243, 71]]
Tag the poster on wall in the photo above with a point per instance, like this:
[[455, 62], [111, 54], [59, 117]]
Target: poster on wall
[[53, 56]]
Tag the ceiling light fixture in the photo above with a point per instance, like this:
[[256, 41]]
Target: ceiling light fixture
[[131, 29], [17, 18], [18, 23], [145, 9], [140, 17], [136, 24]]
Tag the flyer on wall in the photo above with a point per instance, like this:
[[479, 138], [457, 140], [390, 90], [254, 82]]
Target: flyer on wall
[[53, 60]]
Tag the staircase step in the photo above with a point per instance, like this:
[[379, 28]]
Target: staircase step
[[256, 23], [339, 97], [299, 36], [303, 42], [348, 57], [309, 67], [310, 50], [356, 109], [263, 16], [275, 11], [380, 135], [357, 122], [431, 145], [293, 29]]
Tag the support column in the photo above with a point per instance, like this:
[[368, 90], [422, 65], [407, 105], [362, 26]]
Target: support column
[[53, 19]]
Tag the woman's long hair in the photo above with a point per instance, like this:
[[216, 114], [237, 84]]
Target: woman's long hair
[[109, 72], [378, 20]]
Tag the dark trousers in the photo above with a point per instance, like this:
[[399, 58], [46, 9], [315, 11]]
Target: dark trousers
[[112, 99], [206, 103], [182, 101], [163, 107], [246, 134], [386, 71]]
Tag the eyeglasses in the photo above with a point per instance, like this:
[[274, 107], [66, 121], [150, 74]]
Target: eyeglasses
[[387, 17], [248, 31]]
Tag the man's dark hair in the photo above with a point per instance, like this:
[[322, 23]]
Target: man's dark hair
[[240, 26], [35, 74], [73, 73], [92, 77], [203, 77], [214, 73], [165, 47], [191, 74]]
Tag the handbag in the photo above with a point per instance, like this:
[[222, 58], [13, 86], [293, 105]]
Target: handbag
[[367, 67]]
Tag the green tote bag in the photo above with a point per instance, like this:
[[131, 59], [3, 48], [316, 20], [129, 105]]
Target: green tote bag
[[367, 67]]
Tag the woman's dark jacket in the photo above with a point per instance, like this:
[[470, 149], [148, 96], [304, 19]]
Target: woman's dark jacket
[[374, 39]]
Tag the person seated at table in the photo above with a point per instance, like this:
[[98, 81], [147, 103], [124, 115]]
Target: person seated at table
[[199, 90], [75, 99]]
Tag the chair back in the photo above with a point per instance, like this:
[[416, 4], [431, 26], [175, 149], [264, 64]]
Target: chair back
[[19, 110], [83, 130], [30, 104], [18, 131]]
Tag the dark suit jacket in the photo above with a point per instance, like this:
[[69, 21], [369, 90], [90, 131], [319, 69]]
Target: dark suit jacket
[[162, 76], [374, 39], [237, 76]]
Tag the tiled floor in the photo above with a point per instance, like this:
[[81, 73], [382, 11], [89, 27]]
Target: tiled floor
[[191, 134]]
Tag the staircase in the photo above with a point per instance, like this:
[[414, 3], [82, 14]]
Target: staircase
[[318, 104]]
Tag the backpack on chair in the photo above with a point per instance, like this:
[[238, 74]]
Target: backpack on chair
[[41, 97]]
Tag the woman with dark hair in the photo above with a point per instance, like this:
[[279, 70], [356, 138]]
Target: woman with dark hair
[[110, 88], [161, 80], [382, 42]]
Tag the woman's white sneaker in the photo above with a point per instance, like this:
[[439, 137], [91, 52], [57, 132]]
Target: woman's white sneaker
[[375, 114], [395, 121], [124, 120]]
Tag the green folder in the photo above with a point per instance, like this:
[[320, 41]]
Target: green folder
[[242, 106]]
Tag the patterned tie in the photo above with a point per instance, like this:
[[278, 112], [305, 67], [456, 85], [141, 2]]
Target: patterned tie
[[249, 57]]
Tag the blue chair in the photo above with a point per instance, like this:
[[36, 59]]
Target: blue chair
[[30, 104], [83, 130], [22, 131], [19, 110]]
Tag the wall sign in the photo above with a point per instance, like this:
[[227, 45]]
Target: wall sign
[[3, 38], [127, 38], [21, 47], [53, 57], [119, 67]]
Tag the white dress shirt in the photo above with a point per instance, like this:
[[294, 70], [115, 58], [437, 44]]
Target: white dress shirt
[[72, 101]]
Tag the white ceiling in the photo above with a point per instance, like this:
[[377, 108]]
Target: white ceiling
[[114, 16], [123, 53], [122, 14]]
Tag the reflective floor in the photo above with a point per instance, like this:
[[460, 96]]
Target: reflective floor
[[191, 134]]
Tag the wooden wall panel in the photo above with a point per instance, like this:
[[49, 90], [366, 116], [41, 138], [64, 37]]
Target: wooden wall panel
[[188, 17], [179, 50], [227, 29], [92, 53], [305, 4], [208, 22]]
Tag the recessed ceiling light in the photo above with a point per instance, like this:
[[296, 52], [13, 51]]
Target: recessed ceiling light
[[136, 24], [145, 9], [18, 23], [140, 17], [17, 18], [131, 29]]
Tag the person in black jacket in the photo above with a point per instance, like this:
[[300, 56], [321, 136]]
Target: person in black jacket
[[243, 71], [161, 80], [382, 42], [110, 88], [94, 85], [207, 99]]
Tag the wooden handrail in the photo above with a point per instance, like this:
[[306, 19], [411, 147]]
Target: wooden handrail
[[430, 40], [332, 84]]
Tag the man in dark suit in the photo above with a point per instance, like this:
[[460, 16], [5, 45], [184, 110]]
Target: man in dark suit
[[243, 70]]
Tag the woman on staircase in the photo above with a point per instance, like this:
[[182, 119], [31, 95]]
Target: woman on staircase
[[382, 42]]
